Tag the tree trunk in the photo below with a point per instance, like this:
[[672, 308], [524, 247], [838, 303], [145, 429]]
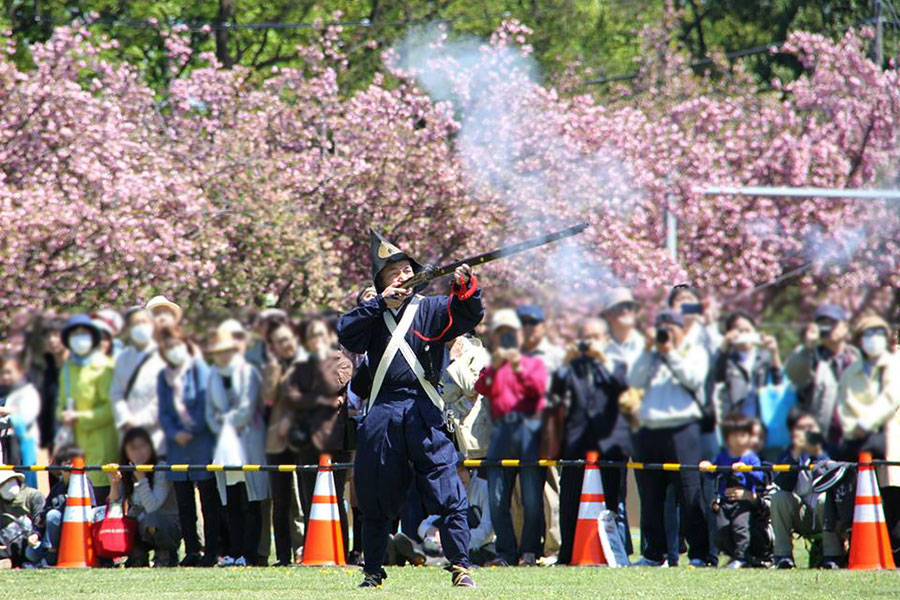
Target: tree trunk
[[223, 32]]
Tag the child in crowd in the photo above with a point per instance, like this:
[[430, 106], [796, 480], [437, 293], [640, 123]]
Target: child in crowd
[[150, 499], [737, 491], [50, 521]]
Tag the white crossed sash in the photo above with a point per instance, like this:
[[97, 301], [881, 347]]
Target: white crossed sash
[[398, 342]]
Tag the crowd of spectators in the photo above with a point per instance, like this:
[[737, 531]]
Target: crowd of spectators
[[694, 387]]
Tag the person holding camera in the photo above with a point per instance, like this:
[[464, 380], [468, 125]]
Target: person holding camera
[[588, 386], [815, 368], [283, 352], [315, 393], [672, 374], [515, 385], [747, 362], [795, 507], [737, 492]]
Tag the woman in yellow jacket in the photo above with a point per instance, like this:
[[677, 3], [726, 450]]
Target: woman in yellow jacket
[[84, 409], [868, 401]]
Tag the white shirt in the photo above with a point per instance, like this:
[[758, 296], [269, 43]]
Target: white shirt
[[666, 381], [141, 408], [25, 402], [627, 351], [706, 336]]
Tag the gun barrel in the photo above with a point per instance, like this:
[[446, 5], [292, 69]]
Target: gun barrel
[[474, 261]]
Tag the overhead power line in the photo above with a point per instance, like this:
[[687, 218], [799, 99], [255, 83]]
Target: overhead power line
[[774, 46]]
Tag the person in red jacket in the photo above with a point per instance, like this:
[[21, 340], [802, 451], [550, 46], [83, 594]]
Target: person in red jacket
[[515, 386]]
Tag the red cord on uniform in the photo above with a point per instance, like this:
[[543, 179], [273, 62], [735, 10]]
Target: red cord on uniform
[[461, 294]]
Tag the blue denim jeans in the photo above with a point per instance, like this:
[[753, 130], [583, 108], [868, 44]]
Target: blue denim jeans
[[52, 529], [520, 440]]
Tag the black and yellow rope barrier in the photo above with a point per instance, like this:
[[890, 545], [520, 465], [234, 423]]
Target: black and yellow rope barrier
[[471, 463]]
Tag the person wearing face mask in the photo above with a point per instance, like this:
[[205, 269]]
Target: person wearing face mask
[[134, 385], [315, 392], [284, 352], [21, 507], [181, 387], [234, 414], [746, 362], [84, 404], [868, 399], [815, 368], [20, 404]]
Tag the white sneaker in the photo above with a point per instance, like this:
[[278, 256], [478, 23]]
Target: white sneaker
[[226, 561]]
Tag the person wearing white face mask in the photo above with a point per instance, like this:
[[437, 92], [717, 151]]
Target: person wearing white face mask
[[84, 405], [234, 414], [133, 393], [181, 388], [21, 507], [868, 399]]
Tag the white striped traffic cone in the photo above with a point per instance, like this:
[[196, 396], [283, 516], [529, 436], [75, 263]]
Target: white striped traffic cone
[[587, 548], [324, 541], [870, 546], [76, 547]]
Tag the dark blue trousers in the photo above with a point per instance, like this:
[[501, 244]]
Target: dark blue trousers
[[401, 442]]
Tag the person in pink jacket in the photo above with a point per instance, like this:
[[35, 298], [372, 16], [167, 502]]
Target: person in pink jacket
[[514, 385]]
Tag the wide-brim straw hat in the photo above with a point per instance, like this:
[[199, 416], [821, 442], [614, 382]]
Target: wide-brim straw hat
[[162, 302], [221, 341]]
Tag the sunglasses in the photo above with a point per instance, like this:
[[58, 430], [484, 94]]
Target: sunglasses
[[530, 322], [618, 309]]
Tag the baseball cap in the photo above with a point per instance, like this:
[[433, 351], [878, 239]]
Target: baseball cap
[[531, 312], [830, 311], [505, 317], [617, 296]]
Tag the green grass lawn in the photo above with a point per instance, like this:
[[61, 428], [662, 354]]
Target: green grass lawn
[[542, 583]]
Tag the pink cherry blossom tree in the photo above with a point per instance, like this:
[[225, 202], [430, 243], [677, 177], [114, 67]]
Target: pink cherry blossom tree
[[225, 188]]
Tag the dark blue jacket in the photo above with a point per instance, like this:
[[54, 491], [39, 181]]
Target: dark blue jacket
[[363, 330], [754, 480], [199, 451]]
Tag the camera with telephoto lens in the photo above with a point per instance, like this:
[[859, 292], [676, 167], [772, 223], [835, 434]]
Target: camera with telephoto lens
[[583, 346], [662, 336]]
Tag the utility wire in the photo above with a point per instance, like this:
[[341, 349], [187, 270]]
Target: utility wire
[[774, 46]]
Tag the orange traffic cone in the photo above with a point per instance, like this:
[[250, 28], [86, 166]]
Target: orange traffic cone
[[870, 546], [324, 542], [587, 548], [76, 548]]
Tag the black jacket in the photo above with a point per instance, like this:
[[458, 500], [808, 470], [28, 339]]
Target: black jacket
[[739, 383], [591, 396]]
